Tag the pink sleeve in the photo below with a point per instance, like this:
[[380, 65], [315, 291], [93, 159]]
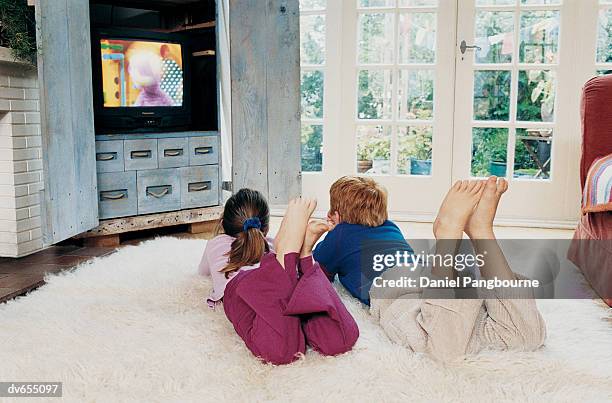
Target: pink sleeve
[[204, 266], [215, 255]]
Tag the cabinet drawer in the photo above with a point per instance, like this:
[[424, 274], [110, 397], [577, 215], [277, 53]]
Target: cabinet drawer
[[109, 156], [173, 153], [199, 186], [140, 154], [117, 194], [158, 190], [203, 150]]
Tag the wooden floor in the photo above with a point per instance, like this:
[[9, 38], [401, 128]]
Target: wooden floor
[[20, 276]]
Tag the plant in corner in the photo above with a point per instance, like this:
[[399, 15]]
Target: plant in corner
[[18, 29]]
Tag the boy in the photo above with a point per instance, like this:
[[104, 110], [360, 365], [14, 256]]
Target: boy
[[358, 211]]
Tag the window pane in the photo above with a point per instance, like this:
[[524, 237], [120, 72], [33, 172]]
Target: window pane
[[539, 37], [416, 92], [495, 2], [376, 38], [533, 153], [376, 3], [418, 3], [417, 37], [374, 97], [604, 72], [536, 96], [414, 150], [312, 139], [373, 149], [492, 95], [494, 36], [489, 151], [312, 39], [604, 36], [312, 94], [307, 5]]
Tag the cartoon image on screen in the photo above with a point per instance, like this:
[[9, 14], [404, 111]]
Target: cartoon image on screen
[[141, 73]]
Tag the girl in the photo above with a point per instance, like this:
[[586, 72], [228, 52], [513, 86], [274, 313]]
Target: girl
[[275, 295]]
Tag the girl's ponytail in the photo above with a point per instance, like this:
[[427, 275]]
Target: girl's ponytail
[[246, 217], [247, 249]]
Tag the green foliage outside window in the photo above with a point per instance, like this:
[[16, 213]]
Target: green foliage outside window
[[18, 29], [312, 140], [535, 103]]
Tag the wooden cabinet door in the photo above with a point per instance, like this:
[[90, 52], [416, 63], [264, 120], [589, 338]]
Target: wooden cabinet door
[[69, 201], [265, 91]]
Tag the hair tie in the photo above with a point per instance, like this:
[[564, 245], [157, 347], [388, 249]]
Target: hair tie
[[252, 222]]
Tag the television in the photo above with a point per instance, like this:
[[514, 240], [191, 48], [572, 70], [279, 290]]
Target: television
[[141, 81]]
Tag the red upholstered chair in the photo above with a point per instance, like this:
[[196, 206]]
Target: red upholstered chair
[[595, 258]]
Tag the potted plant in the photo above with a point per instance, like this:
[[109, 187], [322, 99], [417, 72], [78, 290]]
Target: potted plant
[[489, 152], [420, 161], [498, 164], [364, 161], [373, 151], [380, 153]]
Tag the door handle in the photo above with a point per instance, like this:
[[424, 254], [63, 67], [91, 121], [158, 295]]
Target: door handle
[[464, 47], [203, 150]]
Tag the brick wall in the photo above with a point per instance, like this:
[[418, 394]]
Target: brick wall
[[20, 159]]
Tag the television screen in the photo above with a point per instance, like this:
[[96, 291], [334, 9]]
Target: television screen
[[140, 73]]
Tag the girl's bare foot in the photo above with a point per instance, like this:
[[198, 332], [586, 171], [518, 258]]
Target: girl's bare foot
[[293, 227], [480, 224], [456, 209]]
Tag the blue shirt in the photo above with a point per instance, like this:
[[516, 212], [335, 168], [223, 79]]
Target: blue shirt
[[341, 253]]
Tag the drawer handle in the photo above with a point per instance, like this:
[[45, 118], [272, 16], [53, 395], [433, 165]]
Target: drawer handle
[[141, 154], [173, 152], [114, 196], [198, 186], [203, 150], [106, 156], [160, 194]]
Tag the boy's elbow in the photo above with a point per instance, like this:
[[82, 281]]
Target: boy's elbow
[[329, 275]]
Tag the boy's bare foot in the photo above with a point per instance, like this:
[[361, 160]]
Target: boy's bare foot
[[456, 209], [480, 225], [314, 231], [293, 227]]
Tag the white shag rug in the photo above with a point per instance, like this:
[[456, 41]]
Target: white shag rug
[[133, 326]]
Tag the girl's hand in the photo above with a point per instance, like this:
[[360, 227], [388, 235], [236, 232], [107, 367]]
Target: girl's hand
[[316, 228], [314, 231], [331, 224]]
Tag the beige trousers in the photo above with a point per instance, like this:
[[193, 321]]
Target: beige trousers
[[448, 329]]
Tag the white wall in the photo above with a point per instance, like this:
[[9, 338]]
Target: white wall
[[20, 158]]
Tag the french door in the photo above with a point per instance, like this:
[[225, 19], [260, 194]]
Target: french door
[[518, 80], [418, 93]]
